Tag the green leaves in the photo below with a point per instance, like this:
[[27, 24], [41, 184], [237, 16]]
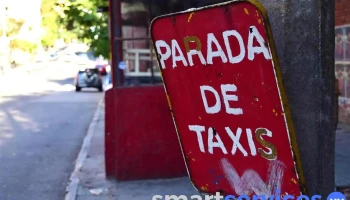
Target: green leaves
[[82, 19], [50, 22]]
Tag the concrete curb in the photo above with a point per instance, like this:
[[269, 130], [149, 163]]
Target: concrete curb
[[71, 190]]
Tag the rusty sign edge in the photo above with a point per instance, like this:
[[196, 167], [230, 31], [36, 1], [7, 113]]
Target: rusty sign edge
[[279, 81]]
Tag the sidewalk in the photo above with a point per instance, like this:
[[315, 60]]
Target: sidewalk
[[342, 156], [88, 180]]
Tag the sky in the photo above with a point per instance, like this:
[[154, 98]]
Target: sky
[[26, 9]]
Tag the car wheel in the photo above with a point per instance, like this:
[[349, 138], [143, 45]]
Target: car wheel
[[77, 88]]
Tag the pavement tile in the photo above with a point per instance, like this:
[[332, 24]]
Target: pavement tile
[[92, 174]]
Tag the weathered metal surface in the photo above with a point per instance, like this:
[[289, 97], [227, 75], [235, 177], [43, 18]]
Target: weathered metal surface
[[304, 36], [226, 94]]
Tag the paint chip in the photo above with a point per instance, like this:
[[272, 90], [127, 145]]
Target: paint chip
[[168, 98], [199, 117], [294, 181], [273, 110], [193, 159], [190, 17], [246, 11], [259, 21], [204, 188]]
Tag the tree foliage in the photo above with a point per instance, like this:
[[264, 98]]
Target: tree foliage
[[50, 22], [13, 28], [81, 18], [23, 45]]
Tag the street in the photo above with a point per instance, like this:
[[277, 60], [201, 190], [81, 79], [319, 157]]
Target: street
[[43, 122]]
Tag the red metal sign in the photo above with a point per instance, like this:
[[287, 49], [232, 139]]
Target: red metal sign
[[224, 86]]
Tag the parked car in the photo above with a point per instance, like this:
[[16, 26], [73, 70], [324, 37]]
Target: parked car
[[89, 78], [79, 58], [53, 56]]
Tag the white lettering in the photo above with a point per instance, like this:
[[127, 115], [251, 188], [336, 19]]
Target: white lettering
[[197, 197], [230, 88], [209, 197], [157, 197], [175, 47], [174, 197], [240, 57], [212, 144], [218, 196], [193, 52], [235, 140], [198, 130], [213, 109], [254, 33], [163, 56], [251, 142], [210, 53]]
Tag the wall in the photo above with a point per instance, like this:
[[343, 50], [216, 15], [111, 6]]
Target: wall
[[342, 57], [342, 12], [141, 141]]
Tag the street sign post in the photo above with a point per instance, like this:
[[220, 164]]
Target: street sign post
[[225, 92]]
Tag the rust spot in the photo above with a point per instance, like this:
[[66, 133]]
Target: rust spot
[[168, 99], [199, 117], [190, 17], [219, 74], [204, 188], [294, 181], [256, 99], [195, 39], [173, 19], [193, 159], [259, 21], [246, 11]]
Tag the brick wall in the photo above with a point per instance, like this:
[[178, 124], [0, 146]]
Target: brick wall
[[342, 12]]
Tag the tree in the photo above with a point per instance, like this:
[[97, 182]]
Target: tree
[[50, 22], [81, 18]]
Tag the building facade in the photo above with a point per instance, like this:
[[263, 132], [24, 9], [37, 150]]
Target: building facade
[[342, 57]]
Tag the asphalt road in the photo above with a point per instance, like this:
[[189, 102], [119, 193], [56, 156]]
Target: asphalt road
[[43, 122]]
